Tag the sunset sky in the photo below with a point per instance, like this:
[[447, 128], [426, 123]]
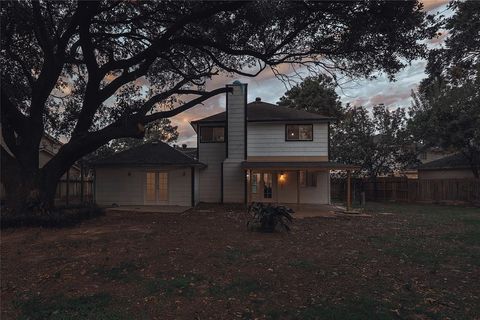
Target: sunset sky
[[360, 92]]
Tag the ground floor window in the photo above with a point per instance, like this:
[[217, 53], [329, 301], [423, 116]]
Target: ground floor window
[[267, 185], [308, 178], [255, 178]]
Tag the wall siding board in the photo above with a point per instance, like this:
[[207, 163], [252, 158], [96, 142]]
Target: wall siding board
[[268, 139], [115, 185], [212, 154]]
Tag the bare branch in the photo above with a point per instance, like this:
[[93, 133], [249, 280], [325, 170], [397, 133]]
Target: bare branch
[[185, 106]]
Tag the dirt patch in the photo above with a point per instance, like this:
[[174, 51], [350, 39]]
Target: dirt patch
[[422, 262]]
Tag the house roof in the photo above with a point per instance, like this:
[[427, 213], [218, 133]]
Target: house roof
[[299, 165], [455, 161], [259, 111], [153, 153], [191, 152]]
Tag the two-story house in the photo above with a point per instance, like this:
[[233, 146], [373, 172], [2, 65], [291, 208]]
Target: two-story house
[[251, 152]]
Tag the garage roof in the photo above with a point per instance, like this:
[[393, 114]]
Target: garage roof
[[149, 154]]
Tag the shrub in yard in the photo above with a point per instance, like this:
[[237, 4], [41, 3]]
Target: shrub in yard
[[266, 217], [58, 217]]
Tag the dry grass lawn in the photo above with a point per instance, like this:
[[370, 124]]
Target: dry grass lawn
[[419, 262]]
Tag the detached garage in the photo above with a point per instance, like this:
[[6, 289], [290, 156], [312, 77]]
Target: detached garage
[[151, 174]]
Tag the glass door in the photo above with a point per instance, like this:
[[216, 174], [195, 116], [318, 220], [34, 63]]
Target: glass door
[[267, 187], [156, 188]]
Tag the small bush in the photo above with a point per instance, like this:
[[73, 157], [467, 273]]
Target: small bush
[[56, 218], [266, 217]]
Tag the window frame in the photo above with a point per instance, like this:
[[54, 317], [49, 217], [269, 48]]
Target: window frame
[[297, 124], [212, 127]]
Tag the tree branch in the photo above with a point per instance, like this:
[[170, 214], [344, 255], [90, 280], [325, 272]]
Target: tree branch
[[86, 10], [40, 29], [184, 107]]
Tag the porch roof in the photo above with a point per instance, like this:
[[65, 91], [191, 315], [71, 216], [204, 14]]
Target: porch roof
[[298, 165]]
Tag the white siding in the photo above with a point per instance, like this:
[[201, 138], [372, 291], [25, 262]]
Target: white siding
[[210, 178], [196, 186], [115, 185], [180, 187], [268, 139], [233, 182], [287, 190], [236, 105], [233, 174], [319, 194]]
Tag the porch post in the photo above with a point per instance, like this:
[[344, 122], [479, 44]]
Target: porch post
[[82, 191], [249, 191], [349, 195], [68, 187], [275, 183], [298, 186]]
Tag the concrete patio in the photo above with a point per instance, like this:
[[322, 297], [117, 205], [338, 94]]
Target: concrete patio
[[150, 209]]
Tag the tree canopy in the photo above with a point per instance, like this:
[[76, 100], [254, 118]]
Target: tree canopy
[[314, 94], [380, 144], [446, 109], [101, 70]]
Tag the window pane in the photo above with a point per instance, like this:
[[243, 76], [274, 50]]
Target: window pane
[[292, 132], [267, 185], [212, 134], [255, 182], [206, 134], [163, 186], [303, 183], [219, 134], [151, 186], [305, 132]]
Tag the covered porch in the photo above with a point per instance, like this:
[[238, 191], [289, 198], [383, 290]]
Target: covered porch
[[299, 183]]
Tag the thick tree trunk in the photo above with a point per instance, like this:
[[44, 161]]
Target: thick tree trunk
[[28, 190]]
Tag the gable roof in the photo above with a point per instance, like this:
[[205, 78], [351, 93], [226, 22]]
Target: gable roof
[[455, 161], [259, 111], [149, 154]]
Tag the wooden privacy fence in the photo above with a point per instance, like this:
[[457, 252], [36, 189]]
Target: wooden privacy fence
[[71, 191], [409, 190]]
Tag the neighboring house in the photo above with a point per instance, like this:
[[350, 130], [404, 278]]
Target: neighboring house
[[49, 146], [455, 166], [191, 152], [425, 156], [250, 152], [150, 174], [432, 154]]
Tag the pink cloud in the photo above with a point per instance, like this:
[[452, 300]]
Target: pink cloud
[[433, 4]]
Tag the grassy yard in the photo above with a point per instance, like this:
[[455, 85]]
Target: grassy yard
[[402, 262]]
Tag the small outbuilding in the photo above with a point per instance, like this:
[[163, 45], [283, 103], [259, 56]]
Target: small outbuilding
[[455, 166], [151, 174]]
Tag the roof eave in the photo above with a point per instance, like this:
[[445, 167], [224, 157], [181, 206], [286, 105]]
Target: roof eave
[[151, 165]]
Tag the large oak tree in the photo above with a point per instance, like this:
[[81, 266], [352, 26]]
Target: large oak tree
[[101, 70]]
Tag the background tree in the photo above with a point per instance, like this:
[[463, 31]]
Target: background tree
[[160, 130], [380, 144], [446, 109], [314, 94], [101, 70]]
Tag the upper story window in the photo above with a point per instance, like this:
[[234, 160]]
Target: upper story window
[[299, 132], [212, 134]]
